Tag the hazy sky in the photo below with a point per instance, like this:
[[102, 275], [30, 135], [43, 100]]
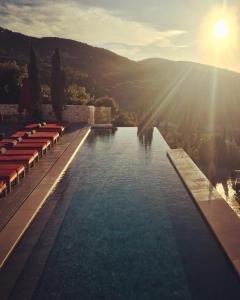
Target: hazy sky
[[137, 29]]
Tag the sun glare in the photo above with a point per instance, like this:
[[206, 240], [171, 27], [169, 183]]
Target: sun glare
[[221, 29], [218, 42]]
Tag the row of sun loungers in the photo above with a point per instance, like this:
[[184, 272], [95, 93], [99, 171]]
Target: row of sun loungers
[[23, 150]]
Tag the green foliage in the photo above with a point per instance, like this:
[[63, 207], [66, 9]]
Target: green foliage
[[34, 84], [206, 149], [46, 94], [124, 119], [107, 102], [58, 82], [11, 76], [77, 95]]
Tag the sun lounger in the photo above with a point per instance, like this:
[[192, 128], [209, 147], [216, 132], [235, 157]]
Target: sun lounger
[[33, 126], [20, 134], [30, 152], [53, 136], [9, 142], [27, 160], [19, 168], [3, 188], [50, 128], [47, 127], [33, 141], [2, 145], [9, 176], [40, 147], [29, 141]]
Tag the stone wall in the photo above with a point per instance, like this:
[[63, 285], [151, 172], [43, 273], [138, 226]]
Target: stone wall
[[9, 112], [9, 109], [71, 113]]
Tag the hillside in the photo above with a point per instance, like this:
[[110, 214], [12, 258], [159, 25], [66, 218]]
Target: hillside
[[178, 91]]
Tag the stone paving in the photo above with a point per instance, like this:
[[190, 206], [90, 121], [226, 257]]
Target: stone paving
[[18, 209], [223, 221]]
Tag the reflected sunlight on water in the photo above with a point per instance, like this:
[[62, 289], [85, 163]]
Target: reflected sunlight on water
[[227, 191]]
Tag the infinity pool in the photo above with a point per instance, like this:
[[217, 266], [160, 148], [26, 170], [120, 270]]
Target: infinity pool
[[131, 230]]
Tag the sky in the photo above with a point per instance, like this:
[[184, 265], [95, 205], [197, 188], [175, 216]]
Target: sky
[[137, 29]]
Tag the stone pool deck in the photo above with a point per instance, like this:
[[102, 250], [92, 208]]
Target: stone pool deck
[[224, 223], [19, 208]]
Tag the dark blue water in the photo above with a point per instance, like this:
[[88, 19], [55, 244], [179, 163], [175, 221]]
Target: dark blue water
[[132, 231]]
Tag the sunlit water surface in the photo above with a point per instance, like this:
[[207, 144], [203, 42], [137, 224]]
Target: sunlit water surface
[[226, 190]]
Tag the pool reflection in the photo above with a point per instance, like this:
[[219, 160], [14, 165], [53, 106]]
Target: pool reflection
[[145, 137], [224, 184]]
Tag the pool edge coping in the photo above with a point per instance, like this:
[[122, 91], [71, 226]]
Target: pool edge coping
[[222, 229], [12, 233]]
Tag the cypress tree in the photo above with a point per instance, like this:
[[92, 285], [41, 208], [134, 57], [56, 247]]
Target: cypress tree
[[34, 85], [57, 85]]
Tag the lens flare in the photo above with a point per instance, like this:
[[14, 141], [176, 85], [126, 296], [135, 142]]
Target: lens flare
[[218, 42], [221, 29]]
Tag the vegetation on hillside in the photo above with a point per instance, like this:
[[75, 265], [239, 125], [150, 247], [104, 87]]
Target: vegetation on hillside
[[182, 93], [178, 89], [211, 151]]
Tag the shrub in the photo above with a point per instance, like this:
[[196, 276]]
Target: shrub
[[107, 102], [76, 94]]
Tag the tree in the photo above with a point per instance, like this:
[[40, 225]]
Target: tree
[[58, 83], [11, 76], [34, 85], [123, 118], [106, 102], [77, 95]]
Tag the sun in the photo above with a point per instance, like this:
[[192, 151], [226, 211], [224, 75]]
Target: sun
[[219, 36], [221, 29]]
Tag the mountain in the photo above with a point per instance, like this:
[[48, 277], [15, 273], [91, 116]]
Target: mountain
[[176, 91]]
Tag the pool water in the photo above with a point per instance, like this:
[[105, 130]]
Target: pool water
[[131, 230]]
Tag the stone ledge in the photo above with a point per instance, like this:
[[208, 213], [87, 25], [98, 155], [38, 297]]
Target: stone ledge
[[224, 223]]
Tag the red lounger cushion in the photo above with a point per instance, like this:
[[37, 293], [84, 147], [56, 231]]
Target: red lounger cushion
[[30, 152], [51, 129], [33, 126], [51, 135], [8, 173], [19, 158], [3, 145], [45, 134], [36, 135], [8, 142], [51, 126], [26, 146], [17, 167], [20, 134], [33, 141]]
